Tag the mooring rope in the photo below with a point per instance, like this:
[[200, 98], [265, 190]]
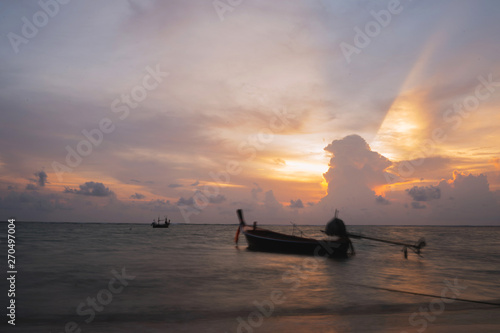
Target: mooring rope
[[426, 295]]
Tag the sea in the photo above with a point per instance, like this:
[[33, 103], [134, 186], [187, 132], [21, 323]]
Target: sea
[[102, 277]]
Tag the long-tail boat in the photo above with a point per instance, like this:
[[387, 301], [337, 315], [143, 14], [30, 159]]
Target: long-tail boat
[[158, 224], [337, 245], [260, 239]]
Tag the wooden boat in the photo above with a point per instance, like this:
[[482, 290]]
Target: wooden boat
[[158, 224], [260, 239]]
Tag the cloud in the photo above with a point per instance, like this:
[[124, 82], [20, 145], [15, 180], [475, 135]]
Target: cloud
[[417, 205], [33, 203], [270, 201], [429, 167], [39, 181], [174, 185], [216, 199], [185, 202], [463, 199], [199, 200], [137, 196], [279, 161], [41, 178], [469, 191], [424, 193], [296, 204], [92, 189], [255, 191], [196, 183], [183, 126], [159, 206], [354, 171], [381, 200]]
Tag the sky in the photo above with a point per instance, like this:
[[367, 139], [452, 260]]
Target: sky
[[123, 111]]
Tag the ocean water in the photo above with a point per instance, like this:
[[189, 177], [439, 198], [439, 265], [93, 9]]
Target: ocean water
[[192, 278]]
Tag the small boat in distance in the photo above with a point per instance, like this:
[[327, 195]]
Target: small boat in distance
[[158, 224], [260, 239]]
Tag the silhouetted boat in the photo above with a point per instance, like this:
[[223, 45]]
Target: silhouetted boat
[[260, 239], [158, 224]]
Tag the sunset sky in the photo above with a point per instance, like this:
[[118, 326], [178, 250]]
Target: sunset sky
[[120, 111]]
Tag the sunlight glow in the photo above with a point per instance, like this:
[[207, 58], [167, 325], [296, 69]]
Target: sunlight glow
[[300, 171], [401, 130], [315, 169]]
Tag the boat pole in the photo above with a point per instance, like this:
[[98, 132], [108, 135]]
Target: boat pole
[[417, 247], [242, 223]]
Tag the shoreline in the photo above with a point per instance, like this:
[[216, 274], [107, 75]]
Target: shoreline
[[485, 319]]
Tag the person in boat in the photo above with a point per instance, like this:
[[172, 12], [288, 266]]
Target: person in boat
[[336, 227]]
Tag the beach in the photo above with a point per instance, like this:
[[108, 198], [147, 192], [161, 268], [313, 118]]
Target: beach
[[461, 321]]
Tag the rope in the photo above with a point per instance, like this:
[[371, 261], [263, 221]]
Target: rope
[[427, 295]]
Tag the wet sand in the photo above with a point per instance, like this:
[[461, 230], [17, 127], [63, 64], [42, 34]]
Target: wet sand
[[480, 319]]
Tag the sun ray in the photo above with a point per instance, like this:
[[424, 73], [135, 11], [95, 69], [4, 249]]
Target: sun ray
[[401, 130]]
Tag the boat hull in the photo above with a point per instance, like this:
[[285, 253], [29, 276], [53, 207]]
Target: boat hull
[[269, 241]]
